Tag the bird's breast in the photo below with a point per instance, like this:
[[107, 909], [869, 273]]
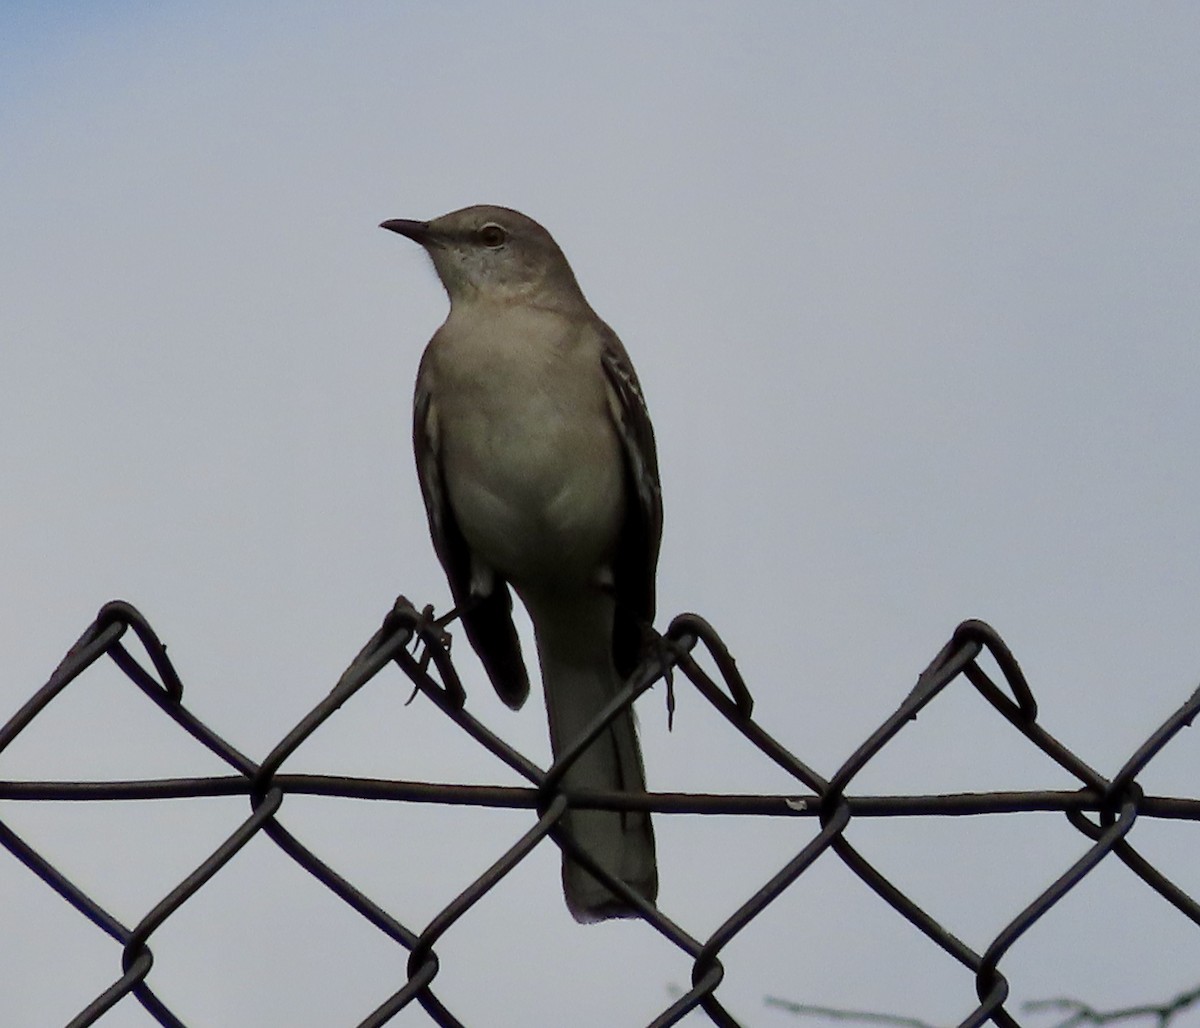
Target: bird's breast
[[531, 460]]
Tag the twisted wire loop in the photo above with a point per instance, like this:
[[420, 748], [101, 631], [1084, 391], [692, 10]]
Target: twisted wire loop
[[1103, 810]]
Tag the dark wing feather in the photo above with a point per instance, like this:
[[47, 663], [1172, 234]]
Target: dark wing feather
[[636, 561], [487, 619]]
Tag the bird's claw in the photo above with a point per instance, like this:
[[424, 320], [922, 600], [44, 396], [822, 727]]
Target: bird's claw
[[427, 632]]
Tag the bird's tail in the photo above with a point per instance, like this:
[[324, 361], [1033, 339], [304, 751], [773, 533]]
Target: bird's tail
[[575, 651]]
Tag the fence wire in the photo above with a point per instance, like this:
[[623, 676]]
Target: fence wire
[[1103, 809]]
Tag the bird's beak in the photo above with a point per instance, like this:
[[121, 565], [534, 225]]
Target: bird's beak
[[417, 231]]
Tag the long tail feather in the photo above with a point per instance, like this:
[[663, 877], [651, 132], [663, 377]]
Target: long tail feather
[[575, 650]]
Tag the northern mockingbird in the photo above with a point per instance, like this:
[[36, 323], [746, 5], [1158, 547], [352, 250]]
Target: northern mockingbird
[[538, 469]]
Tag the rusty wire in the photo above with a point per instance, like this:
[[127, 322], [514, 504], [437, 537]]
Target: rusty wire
[[1103, 809]]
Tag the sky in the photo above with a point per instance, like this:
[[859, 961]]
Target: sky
[[911, 290]]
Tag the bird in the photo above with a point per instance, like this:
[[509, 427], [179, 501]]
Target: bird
[[539, 473]]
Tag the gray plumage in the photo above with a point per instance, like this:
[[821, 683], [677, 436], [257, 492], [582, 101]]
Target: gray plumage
[[538, 469]]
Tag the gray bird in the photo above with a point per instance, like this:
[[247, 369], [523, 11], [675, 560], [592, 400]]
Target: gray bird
[[538, 468]]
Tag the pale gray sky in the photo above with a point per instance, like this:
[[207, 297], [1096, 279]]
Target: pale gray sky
[[912, 292]]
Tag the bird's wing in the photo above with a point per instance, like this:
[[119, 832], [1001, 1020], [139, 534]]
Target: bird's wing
[[487, 618], [636, 560]]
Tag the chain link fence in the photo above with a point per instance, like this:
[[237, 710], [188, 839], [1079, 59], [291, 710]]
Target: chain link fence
[[1104, 809]]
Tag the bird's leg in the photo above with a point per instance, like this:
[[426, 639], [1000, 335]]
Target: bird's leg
[[655, 644], [430, 628], [436, 627], [654, 641]]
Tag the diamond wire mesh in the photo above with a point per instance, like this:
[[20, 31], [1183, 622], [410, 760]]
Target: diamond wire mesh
[[1103, 809]]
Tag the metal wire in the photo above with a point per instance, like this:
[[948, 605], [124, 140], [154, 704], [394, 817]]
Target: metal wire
[[1103, 809]]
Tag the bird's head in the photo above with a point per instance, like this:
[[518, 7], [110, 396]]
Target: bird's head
[[494, 254]]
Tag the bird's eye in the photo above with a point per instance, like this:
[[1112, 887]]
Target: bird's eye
[[492, 236]]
